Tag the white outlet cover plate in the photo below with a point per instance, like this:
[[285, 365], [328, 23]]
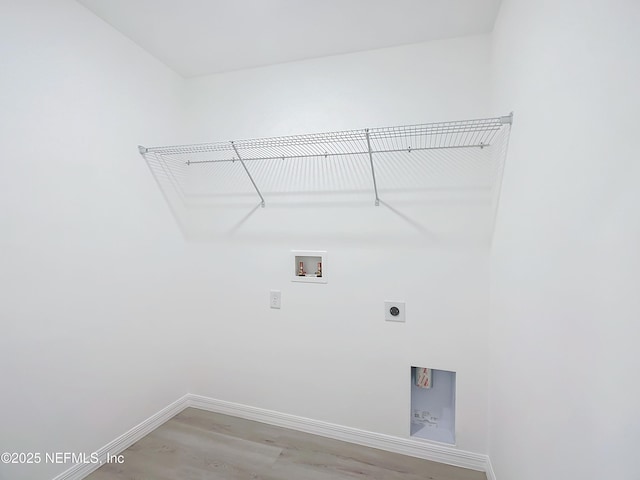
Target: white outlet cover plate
[[401, 317], [275, 298]]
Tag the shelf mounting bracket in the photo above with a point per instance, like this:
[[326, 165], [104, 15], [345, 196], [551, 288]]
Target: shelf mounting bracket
[[373, 171], [248, 174], [507, 119]]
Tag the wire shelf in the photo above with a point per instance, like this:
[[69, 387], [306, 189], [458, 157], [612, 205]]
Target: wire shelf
[[361, 146], [467, 133]]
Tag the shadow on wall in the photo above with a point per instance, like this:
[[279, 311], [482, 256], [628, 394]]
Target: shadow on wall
[[442, 195]]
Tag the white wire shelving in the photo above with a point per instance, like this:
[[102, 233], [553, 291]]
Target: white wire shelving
[[367, 143]]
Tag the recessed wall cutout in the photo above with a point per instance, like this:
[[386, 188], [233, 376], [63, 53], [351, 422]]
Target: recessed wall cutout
[[433, 399], [309, 266]]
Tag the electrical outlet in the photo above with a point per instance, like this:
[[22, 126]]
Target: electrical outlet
[[274, 299], [394, 312]]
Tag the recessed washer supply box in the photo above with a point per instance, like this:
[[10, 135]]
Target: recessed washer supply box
[[433, 405], [309, 266]]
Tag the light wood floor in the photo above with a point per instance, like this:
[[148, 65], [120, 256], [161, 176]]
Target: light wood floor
[[199, 445]]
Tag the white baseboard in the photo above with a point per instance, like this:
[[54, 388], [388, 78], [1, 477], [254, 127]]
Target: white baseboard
[[406, 446], [124, 441], [491, 475]]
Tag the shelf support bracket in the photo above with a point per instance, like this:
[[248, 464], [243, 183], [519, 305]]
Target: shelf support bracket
[[248, 174], [373, 171]]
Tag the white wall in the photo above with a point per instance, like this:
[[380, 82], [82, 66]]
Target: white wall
[[566, 260], [432, 81], [89, 255], [328, 354], [109, 315]]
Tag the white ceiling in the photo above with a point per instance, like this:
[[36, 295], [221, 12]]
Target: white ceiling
[[198, 37]]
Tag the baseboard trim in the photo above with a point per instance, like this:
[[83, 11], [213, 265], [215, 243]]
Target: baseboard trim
[[491, 475], [405, 446], [124, 441]]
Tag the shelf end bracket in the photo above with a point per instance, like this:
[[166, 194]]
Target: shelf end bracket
[[373, 171], [235, 149], [507, 119]]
